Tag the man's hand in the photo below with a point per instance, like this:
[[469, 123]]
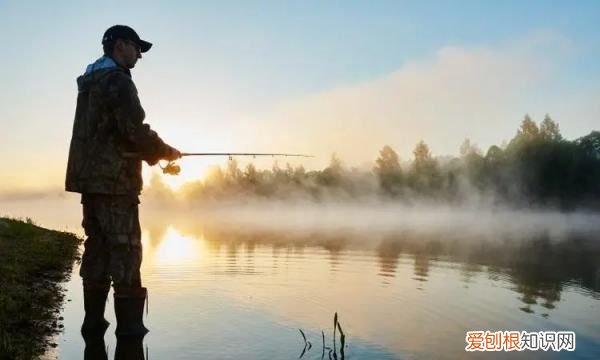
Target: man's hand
[[172, 154]]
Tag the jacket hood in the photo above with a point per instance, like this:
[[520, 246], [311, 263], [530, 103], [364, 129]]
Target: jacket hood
[[104, 62], [95, 71]]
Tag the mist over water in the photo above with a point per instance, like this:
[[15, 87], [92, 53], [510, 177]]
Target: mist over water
[[384, 218], [374, 217]]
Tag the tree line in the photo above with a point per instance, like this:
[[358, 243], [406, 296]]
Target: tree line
[[537, 167]]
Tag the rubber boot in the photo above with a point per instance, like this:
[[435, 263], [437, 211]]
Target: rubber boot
[[130, 348], [94, 303], [129, 311]]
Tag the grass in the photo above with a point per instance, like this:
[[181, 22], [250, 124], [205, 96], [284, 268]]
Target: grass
[[33, 263]]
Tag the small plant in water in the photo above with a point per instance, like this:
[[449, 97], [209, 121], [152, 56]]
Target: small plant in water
[[331, 352]]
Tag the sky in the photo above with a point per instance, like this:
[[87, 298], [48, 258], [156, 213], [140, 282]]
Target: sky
[[314, 77]]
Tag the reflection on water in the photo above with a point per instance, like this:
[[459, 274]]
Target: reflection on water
[[538, 268], [223, 290], [126, 349], [176, 249], [404, 294]]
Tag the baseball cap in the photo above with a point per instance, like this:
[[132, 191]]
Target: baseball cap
[[125, 33]]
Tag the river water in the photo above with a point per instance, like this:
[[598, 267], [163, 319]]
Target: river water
[[405, 283]]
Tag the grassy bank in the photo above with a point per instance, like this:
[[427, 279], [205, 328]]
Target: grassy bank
[[33, 263]]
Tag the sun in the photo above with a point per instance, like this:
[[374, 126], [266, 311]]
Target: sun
[[175, 182], [192, 170]]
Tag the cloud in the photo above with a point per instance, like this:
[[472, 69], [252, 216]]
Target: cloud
[[458, 92]]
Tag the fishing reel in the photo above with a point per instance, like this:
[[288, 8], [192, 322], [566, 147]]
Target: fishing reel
[[171, 168]]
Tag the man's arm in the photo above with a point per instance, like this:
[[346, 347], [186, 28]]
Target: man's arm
[[130, 115]]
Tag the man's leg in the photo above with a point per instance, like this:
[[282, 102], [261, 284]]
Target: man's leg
[[124, 266], [94, 272]]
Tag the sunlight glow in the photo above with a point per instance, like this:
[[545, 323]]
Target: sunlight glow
[[176, 249], [175, 182], [192, 170], [187, 138]]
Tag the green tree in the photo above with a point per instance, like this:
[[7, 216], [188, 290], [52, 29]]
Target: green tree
[[585, 169], [333, 174], [527, 133], [299, 174], [529, 129], [233, 174], [426, 176], [494, 154], [468, 148], [549, 130], [590, 145], [424, 163], [388, 170], [250, 175], [473, 162], [289, 170]]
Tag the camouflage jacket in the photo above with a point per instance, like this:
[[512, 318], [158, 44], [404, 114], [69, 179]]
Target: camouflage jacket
[[108, 127]]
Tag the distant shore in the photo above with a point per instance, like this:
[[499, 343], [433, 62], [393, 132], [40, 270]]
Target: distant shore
[[34, 262]]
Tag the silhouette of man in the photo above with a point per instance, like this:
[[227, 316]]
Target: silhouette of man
[[108, 144]]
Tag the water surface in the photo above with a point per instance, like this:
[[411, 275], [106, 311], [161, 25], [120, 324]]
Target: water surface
[[224, 289]]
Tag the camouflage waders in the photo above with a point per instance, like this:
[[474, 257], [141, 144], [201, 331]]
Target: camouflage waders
[[113, 248], [113, 253]]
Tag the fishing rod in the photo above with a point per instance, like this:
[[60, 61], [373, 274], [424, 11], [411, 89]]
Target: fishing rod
[[173, 169], [243, 154]]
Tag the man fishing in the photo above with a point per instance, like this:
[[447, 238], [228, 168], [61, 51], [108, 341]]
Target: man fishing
[[108, 127]]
